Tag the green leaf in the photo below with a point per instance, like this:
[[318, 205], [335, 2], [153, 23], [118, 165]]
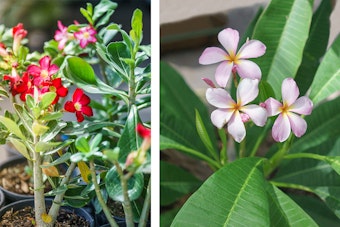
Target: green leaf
[[87, 14], [82, 145], [62, 159], [175, 183], [137, 26], [12, 127], [47, 99], [327, 78], [232, 196], [334, 162], [284, 211], [45, 146], [78, 70], [20, 147], [265, 91], [283, 27], [114, 187], [177, 111], [129, 140], [104, 7], [94, 143], [117, 51], [316, 46]]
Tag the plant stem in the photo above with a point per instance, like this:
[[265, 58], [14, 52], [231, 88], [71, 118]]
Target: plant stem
[[146, 207], [306, 155], [289, 185], [126, 203], [223, 152], [100, 196], [260, 138], [54, 211], [132, 82]]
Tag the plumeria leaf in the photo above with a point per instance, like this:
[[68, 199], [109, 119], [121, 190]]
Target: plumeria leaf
[[114, 188], [265, 91], [335, 163], [291, 20], [12, 127], [316, 46], [327, 78]]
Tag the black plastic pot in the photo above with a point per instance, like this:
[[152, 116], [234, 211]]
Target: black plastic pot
[[12, 196], [30, 202], [2, 199]]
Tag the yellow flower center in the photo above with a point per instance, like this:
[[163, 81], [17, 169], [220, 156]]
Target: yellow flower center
[[77, 106], [86, 35], [284, 108], [44, 73]]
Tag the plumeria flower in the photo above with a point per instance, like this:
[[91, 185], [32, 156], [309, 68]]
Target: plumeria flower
[[62, 36], [233, 61], [236, 113], [79, 105], [85, 36], [43, 72], [288, 111], [18, 33]]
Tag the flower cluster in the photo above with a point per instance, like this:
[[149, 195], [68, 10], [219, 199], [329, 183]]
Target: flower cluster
[[236, 113]]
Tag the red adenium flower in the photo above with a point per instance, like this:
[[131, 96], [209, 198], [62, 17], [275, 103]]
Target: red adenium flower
[[18, 33], [79, 105], [18, 85], [85, 36], [44, 72], [55, 86], [144, 132]]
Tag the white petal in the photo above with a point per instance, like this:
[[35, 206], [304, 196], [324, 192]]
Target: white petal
[[219, 97], [229, 39], [272, 106], [223, 73], [302, 105], [220, 117], [281, 128], [212, 55], [256, 113], [298, 124], [290, 91], [247, 91], [248, 69], [236, 127], [251, 49]]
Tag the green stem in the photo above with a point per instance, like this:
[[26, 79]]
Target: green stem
[[260, 138], [132, 82], [293, 186], [146, 207], [242, 148], [223, 152], [100, 196], [306, 155], [126, 203]]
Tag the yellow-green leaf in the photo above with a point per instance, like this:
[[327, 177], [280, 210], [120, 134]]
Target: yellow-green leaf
[[12, 127]]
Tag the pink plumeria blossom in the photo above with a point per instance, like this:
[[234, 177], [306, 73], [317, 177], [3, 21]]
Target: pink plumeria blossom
[[288, 111], [62, 35], [235, 113], [43, 72], [231, 60], [85, 36]]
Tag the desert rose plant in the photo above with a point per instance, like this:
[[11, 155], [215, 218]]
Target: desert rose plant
[[270, 136], [77, 105]]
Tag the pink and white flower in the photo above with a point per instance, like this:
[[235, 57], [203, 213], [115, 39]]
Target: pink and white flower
[[62, 35], [236, 113], [233, 61], [85, 36], [288, 111]]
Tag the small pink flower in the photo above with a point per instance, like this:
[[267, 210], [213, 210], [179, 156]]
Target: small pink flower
[[61, 35], [79, 105], [85, 36], [235, 113], [288, 111], [231, 60], [43, 72]]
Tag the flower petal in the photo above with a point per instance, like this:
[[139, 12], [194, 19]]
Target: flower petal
[[281, 128], [212, 55], [45, 62], [223, 72], [78, 93], [229, 39], [236, 127], [34, 70], [248, 69], [256, 113], [87, 111], [290, 91], [84, 100], [219, 97], [298, 124], [251, 49], [69, 107], [272, 107], [79, 116], [220, 117], [302, 105], [247, 91]]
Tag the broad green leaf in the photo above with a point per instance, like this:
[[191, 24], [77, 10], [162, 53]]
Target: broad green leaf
[[114, 187], [265, 91], [232, 196], [61, 160], [129, 141], [330, 195], [24, 116], [78, 70], [284, 211], [45, 146], [103, 7], [116, 51], [316, 46], [327, 78], [86, 14], [175, 183], [283, 27], [82, 145], [167, 216], [94, 143], [20, 147], [177, 114], [12, 127], [137, 26], [335, 163], [54, 129]]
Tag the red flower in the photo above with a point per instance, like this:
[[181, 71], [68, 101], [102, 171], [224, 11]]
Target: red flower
[[18, 33], [44, 72], [20, 85], [143, 131], [55, 86], [79, 105]]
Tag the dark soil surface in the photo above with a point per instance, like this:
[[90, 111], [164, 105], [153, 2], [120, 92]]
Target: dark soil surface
[[25, 218]]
